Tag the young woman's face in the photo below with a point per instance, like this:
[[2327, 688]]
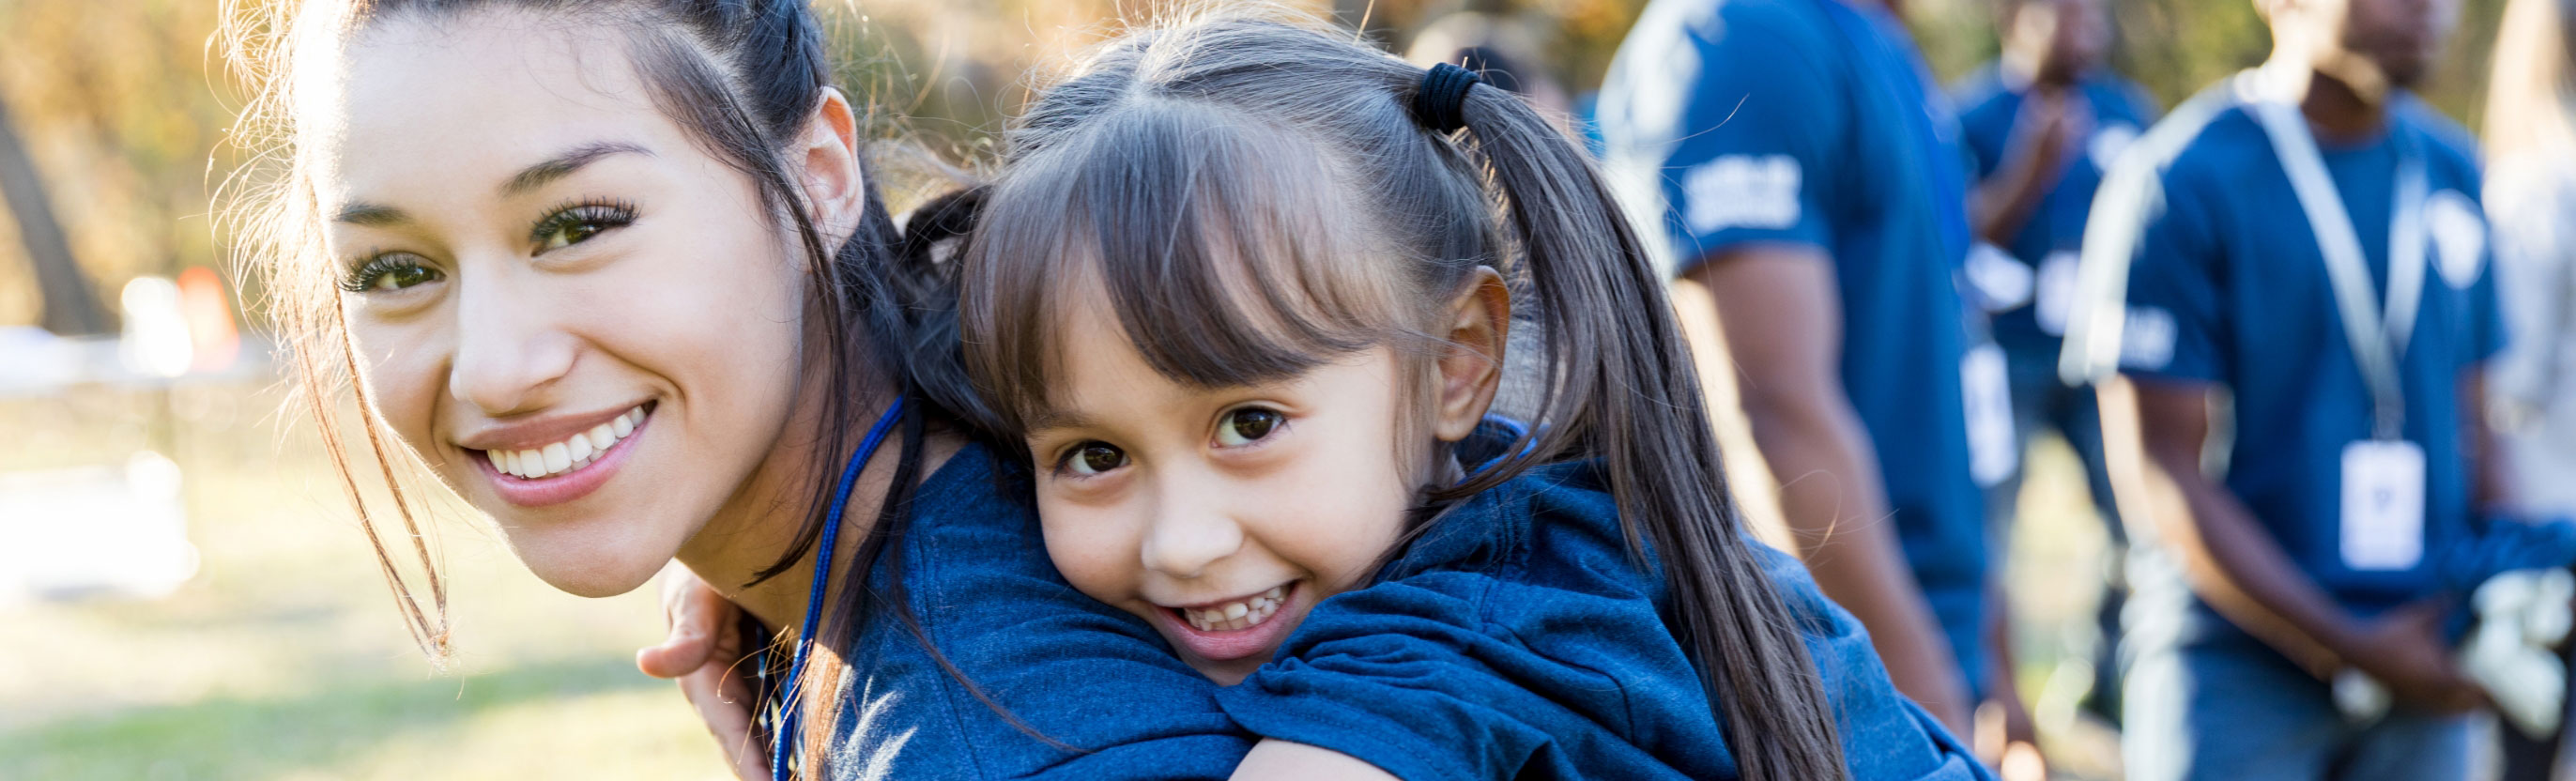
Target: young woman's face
[[587, 325], [1220, 515]]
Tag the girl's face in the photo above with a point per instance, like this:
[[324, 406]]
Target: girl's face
[[584, 323], [1219, 515]]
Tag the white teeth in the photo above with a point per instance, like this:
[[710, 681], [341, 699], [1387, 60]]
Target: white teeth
[[1236, 615], [576, 451]]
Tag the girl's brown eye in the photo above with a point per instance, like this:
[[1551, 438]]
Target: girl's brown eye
[[1245, 426], [1094, 458]]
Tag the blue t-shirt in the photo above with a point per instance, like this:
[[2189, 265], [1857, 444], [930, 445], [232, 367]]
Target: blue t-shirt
[[1080, 672], [2226, 287], [1988, 110], [1733, 122], [1517, 639]]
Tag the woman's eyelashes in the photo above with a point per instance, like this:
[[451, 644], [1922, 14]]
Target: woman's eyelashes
[[394, 272], [578, 222], [390, 272]]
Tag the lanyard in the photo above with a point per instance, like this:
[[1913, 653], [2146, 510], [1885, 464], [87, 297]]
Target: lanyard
[[2378, 335], [784, 738]]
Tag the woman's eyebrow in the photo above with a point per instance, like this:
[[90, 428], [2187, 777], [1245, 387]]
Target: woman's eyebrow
[[565, 163]]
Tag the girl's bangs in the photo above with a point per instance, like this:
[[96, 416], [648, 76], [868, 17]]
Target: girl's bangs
[[1216, 245]]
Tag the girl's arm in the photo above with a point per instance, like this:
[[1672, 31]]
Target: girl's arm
[[1280, 760]]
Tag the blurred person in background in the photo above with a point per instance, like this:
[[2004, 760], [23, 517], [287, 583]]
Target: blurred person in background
[[2531, 200], [2042, 122], [1501, 47], [1798, 162], [2297, 255]]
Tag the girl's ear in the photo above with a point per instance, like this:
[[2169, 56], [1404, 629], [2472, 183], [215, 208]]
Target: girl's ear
[[827, 157], [1471, 365]]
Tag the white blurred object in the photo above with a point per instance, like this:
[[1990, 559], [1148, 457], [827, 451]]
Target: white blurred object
[[2521, 614], [2360, 697], [156, 339], [102, 530]]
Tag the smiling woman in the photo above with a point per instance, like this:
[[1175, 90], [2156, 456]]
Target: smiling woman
[[616, 273]]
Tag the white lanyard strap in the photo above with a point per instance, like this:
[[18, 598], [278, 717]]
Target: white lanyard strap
[[2378, 335]]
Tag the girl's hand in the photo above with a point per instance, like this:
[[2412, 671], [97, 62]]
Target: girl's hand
[[704, 654]]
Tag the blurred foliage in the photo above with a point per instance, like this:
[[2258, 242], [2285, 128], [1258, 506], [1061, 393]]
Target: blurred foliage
[[124, 103]]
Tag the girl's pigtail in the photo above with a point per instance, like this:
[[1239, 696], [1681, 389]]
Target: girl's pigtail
[[1620, 383]]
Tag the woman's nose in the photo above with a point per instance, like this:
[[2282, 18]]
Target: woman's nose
[[510, 346], [1188, 535]]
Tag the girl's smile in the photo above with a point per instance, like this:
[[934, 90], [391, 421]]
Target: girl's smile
[[1231, 629]]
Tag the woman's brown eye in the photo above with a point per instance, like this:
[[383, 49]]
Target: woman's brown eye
[[1095, 458], [1244, 426]]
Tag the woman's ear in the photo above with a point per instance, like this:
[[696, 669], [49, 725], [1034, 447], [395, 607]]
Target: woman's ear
[[1471, 364], [828, 158]]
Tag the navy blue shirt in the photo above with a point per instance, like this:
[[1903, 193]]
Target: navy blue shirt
[[1517, 639], [2049, 241], [1738, 122], [2226, 287], [1078, 671]]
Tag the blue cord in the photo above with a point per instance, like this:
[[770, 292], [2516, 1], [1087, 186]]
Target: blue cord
[[785, 736]]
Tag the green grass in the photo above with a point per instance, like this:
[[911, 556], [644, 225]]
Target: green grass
[[284, 658]]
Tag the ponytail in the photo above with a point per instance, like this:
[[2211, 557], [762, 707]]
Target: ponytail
[[1621, 386]]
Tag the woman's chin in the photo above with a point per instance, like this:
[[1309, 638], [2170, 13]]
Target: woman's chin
[[577, 564], [595, 583]]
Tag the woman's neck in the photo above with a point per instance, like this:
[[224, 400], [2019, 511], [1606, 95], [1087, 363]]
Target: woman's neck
[[764, 518]]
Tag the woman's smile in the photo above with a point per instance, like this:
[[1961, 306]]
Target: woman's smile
[[534, 464]]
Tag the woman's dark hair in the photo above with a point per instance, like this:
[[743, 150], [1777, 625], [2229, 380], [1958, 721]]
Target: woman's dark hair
[[744, 77], [1255, 199]]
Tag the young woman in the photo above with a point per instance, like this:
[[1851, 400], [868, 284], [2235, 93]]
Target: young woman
[[615, 272]]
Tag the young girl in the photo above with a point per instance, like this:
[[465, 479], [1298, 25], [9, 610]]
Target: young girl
[[1244, 292]]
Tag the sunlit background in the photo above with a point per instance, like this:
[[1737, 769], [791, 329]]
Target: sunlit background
[[183, 591]]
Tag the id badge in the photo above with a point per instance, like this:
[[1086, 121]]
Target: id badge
[[2383, 505], [2055, 298], [1993, 452]]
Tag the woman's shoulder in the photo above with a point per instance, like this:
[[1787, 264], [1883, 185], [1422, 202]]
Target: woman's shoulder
[[1001, 669]]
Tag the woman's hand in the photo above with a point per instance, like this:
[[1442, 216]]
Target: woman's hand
[[704, 654]]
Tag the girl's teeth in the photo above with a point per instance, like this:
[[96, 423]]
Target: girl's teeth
[[576, 451], [1237, 615]]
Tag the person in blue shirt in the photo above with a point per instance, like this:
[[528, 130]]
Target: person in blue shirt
[[552, 244], [2041, 124], [1244, 292], [1793, 157], [2303, 242]]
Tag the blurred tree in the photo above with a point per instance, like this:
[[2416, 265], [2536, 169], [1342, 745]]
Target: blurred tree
[[71, 306]]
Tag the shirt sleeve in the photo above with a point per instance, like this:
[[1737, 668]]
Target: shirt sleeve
[[2176, 320], [1753, 159], [1050, 683], [1402, 675]]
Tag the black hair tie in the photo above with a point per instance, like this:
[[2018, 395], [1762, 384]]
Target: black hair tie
[[1441, 102]]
